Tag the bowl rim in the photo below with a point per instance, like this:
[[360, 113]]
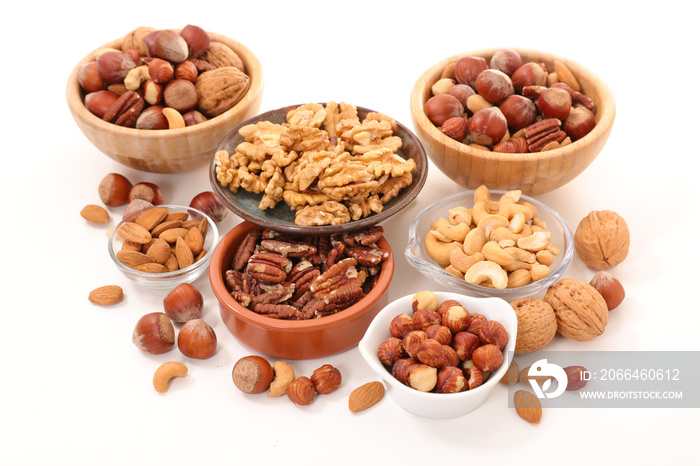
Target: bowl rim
[[165, 275], [75, 96], [373, 361], [605, 114], [406, 197], [526, 290], [238, 311]]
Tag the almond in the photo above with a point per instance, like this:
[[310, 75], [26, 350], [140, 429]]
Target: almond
[[177, 216], [365, 396], [151, 267], [134, 232], [166, 225], [183, 253], [133, 258], [527, 406], [574, 374], [171, 235], [159, 250], [171, 263], [95, 214], [150, 218], [195, 240], [106, 295]]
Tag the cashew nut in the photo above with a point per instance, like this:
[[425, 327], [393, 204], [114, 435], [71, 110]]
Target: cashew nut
[[494, 253], [482, 194], [284, 376], [461, 261], [545, 257], [474, 241], [504, 234], [454, 232], [519, 277], [539, 271], [438, 250], [491, 222], [453, 271], [517, 222], [175, 119], [537, 241], [165, 372], [135, 77], [521, 254], [517, 265], [457, 215], [487, 271], [523, 209], [483, 209]]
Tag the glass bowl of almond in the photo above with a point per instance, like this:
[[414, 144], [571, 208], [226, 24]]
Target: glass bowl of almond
[[164, 245]]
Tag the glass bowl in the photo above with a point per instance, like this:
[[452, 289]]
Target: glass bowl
[[168, 280], [418, 257]]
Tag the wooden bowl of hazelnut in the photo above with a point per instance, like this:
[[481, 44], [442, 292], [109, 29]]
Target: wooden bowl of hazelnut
[[161, 100], [511, 118]]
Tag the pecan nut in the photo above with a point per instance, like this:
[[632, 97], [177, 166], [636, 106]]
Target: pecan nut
[[288, 249], [245, 250], [367, 255], [125, 110], [278, 311], [542, 133]]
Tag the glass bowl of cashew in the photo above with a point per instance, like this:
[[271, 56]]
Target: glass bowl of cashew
[[491, 243]]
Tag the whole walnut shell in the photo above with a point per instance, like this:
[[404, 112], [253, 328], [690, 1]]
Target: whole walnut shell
[[134, 40], [579, 308], [537, 324], [219, 55], [220, 89], [602, 239]]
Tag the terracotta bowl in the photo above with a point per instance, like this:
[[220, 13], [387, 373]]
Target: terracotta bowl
[[532, 173], [166, 151], [294, 339], [281, 218]]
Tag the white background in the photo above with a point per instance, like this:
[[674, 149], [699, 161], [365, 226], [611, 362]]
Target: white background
[[74, 388]]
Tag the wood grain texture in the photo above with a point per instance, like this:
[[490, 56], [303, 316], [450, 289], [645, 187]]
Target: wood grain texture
[[166, 151], [533, 173]]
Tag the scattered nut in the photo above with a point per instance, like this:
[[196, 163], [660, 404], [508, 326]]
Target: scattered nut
[[580, 309], [301, 391], [326, 379], [284, 376], [252, 374], [528, 406], [197, 339], [95, 214], [537, 324], [602, 239], [609, 287], [106, 295], [166, 372], [365, 396]]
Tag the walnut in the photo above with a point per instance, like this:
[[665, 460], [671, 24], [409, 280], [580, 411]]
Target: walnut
[[328, 213], [537, 324], [307, 115], [602, 239], [219, 55], [579, 308], [335, 113], [220, 89]]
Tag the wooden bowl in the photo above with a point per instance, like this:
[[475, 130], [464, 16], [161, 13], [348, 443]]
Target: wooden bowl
[[166, 151], [294, 339], [533, 173]]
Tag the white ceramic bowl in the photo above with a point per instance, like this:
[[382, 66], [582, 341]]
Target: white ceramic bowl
[[438, 405], [418, 257]]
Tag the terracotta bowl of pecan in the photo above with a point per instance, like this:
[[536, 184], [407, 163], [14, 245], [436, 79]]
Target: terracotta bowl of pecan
[[319, 168], [296, 297], [429, 385], [511, 118], [160, 101]]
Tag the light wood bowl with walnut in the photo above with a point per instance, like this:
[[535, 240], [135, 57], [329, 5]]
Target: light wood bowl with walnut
[[173, 150], [533, 173]]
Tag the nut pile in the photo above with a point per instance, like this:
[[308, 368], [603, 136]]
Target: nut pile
[[496, 243], [163, 79], [442, 347], [304, 277], [506, 105], [324, 162]]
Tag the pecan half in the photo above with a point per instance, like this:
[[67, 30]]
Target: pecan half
[[334, 255], [288, 249], [245, 250], [279, 311], [125, 110], [333, 275], [516, 145], [542, 133], [368, 255], [365, 237]]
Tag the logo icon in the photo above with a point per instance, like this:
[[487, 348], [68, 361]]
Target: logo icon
[[542, 368]]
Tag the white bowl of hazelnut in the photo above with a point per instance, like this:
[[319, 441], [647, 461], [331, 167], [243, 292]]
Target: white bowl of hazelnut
[[439, 353]]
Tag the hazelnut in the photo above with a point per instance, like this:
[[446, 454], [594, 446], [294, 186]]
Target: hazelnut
[[113, 66], [487, 358], [208, 203], [181, 95], [602, 239], [301, 391], [493, 332], [170, 46], [439, 333], [609, 287], [475, 377], [197, 339], [440, 108], [153, 95], [575, 377], [390, 350], [477, 320], [99, 102], [114, 190], [468, 68], [154, 333], [184, 302], [425, 300], [450, 356], [152, 118], [197, 40], [529, 74], [464, 344], [401, 325], [400, 369], [421, 377], [186, 70], [326, 379], [252, 374], [506, 60], [412, 342], [456, 318], [554, 103], [424, 318], [451, 380], [455, 127], [519, 111], [494, 85], [579, 122], [147, 191], [462, 92], [89, 77], [161, 71], [193, 117], [431, 354], [488, 126]]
